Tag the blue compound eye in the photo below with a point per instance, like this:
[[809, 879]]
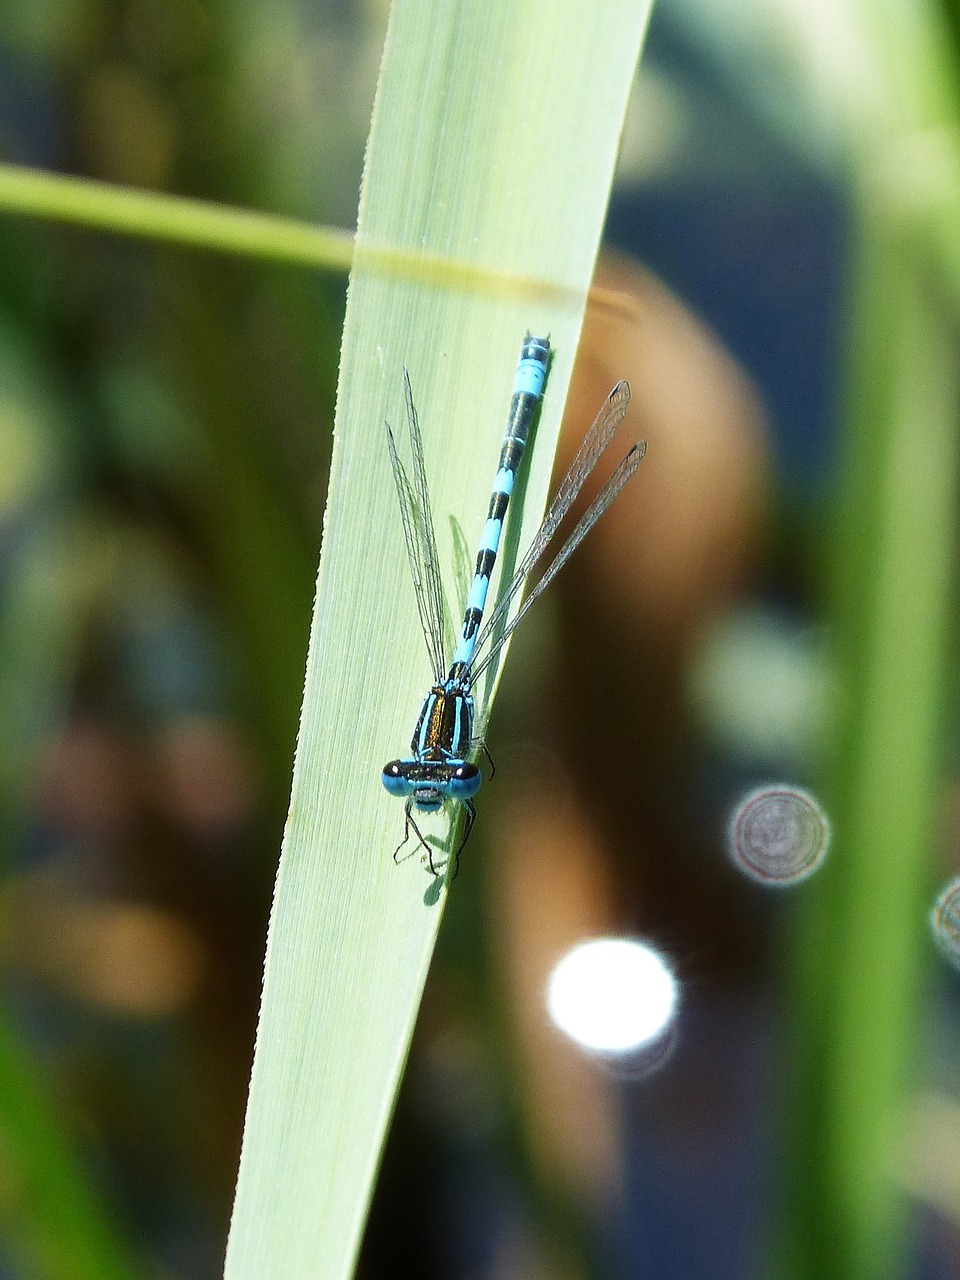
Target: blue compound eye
[[465, 781], [395, 779]]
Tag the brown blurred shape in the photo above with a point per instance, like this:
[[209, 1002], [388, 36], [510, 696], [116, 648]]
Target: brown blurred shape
[[125, 958], [677, 544]]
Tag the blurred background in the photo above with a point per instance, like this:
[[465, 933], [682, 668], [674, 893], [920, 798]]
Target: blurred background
[[768, 606]]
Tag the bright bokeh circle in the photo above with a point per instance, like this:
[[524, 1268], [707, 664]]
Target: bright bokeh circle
[[778, 835], [612, 995]]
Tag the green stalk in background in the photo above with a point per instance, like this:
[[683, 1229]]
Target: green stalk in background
[[493, 142], [151, 215], [862, 947]]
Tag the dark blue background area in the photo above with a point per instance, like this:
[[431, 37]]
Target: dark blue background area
[[753, 239]]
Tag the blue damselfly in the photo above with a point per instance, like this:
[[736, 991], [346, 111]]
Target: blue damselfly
[[439, 767]]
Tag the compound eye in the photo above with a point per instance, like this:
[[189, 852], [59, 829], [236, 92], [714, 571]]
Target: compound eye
[[465, 781], [395, 780]]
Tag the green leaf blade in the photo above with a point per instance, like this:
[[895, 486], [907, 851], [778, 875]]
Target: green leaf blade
[[492, 147]]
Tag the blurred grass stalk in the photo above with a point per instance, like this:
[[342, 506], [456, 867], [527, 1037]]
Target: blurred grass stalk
[[862, 946], [152, 215]]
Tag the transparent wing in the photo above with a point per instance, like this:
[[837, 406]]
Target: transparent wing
[[607, 494], [418, 533], [588, 455]]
